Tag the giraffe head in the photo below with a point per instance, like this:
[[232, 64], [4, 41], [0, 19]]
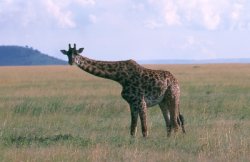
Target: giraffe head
[[71, 53]]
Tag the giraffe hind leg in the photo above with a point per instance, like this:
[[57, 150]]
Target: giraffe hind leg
[[170, 109], [181, 122], [174, 115], [165, 113]]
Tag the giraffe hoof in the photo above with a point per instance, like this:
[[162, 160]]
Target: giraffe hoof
[[145, 134]]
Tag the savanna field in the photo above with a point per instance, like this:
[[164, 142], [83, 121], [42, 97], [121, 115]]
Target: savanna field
[[60, 113]]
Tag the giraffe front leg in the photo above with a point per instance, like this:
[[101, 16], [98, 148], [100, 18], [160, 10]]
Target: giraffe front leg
[[143, 116], [134, 118]]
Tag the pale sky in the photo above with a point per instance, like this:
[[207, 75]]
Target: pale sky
[[130, 29]]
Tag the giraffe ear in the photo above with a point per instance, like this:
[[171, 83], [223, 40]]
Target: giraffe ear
[[80, 50], [64, 52]]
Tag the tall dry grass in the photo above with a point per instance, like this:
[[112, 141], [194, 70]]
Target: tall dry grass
[[60, 113]]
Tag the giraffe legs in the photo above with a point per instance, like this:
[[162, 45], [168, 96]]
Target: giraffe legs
[[134, 118], [171, 115], [139, 109], [172, 123], [181, 123], [170, 110], [143, 117], [174, 114], [166, 115]]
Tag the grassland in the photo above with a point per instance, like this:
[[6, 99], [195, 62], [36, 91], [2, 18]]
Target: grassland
[[64, 114]]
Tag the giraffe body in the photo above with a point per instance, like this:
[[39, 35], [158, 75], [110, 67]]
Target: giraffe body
[[141, 88]]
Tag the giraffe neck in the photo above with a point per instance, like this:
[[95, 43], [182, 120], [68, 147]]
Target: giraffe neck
[[104, 69]]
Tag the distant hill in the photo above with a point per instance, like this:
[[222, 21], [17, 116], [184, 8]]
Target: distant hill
[[22, 56]]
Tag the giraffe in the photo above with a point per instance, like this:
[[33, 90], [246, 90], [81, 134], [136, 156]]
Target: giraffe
[[141, 88]]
